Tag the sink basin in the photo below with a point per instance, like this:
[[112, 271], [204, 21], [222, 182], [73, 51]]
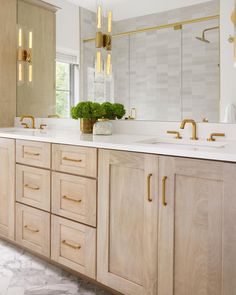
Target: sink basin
[[184, 143]]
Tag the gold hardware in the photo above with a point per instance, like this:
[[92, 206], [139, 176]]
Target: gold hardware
[[233, 17], [71, 244], [72, 199], [149, 187], [178, 27], [164, 203], [231, 39], [31, 118], [211, 138], [54, 116], [32, 229], [155, 28], [26, 126], [71, 160], [205, 120], [203, 37], [178, 136], [34, 188], [194, 127], [32, 154], [42, 126]]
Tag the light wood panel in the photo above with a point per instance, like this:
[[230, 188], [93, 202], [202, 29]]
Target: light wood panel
[[33, 186], [33, 229], [74, 197], [195, 245], [127, 222], [7, 187], [33, 153], [75, 160], [38, 99], [8, 35], [74, 245]]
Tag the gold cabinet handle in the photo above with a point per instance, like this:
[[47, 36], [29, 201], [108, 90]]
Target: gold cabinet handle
[[32, 229], [71, 245], [32, 154], [164, 203], [72, 160], [34, 188], [72, 199], [149, 187]]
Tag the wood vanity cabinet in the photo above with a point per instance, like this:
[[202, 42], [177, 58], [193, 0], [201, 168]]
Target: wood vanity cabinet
[[127, 221], [197, 227], [7, 187]]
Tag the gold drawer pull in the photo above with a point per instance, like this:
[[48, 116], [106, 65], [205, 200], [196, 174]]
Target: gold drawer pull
[[72, 199], [32, 229], [164, 203], [71, 244], [149, 187], [72, 160], [34, 188], [32, 154]]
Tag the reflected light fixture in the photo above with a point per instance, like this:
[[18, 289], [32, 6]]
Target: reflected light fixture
[[103, 41], [25, 55]]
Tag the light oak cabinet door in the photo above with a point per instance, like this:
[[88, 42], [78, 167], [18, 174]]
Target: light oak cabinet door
[[74, 245], [33, 187], [7, 187], [127, 222], [33, 229], [197, 230], [74, 197]]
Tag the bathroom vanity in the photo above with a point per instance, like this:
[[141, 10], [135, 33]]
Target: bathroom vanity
[[136, 217]]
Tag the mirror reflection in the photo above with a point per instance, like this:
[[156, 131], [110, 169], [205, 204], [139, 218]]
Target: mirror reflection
[[164, 62]]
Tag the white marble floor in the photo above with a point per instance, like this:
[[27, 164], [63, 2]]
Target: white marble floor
[[24, 274]]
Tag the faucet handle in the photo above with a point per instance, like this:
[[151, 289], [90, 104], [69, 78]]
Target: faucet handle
[[178, 136], [212, 135], [26, 126], [42, 126]]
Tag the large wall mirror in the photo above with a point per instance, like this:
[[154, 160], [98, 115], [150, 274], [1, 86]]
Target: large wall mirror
[[165, 58]]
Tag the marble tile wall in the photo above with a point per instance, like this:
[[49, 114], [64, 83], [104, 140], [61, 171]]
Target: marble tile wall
[[167, 74]]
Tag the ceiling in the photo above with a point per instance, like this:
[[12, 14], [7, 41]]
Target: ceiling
[[123, 9]]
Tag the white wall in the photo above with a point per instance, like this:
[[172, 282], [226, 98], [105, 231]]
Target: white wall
[[228, 71], [67, 28]]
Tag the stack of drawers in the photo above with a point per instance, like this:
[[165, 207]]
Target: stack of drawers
[[56, 195]]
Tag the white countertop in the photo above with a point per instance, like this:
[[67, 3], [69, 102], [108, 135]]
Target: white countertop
[[222, 150]]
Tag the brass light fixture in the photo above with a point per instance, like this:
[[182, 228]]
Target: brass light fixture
[[103, 41], [24, 57]]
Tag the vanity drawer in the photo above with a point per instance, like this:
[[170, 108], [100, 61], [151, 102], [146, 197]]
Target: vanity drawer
[[33, 187], [74, 197], [75, 160], [33, 229], [33, 153], [74, 245]]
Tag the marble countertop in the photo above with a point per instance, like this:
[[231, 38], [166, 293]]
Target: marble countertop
[[221, 150]]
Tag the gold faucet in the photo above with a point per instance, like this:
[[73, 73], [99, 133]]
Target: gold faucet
[[32, 121], [212, 135], [194, 127]]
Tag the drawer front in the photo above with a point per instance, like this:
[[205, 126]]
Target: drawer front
[[33, 187], [76, 160], [33, 153], [33, 229], [74, 197], [73, 245]]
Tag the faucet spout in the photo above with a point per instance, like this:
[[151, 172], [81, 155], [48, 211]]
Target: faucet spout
[[194, 127]]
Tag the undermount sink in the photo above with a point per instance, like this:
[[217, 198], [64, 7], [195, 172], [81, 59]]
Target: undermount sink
[[20, 130], [184, 143]]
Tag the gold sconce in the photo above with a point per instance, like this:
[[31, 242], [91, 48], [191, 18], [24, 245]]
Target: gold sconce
[[24, 56], [103, 41]]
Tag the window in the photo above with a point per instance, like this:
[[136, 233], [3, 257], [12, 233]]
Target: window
[[65, 85]]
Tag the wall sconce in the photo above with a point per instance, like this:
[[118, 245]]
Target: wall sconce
[[24, 56], [103, 41]]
